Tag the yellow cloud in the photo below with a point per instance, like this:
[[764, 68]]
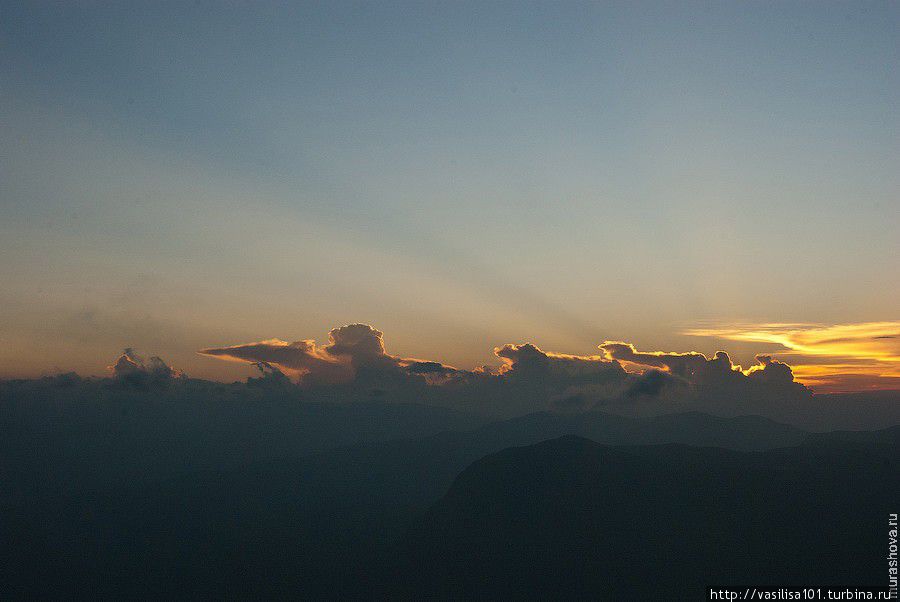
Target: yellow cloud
[[833, 357]]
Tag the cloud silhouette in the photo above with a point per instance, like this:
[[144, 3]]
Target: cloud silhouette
[[696, 368], [354, 365], [712, 378], [770, 370], [527, 359]]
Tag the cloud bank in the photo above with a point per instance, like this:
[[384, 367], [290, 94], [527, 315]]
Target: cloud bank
[[354, 364], [354, 368]]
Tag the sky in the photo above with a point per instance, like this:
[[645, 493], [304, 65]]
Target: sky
[[681, 176]]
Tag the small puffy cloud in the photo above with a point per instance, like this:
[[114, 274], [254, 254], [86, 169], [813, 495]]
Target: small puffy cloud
[[361, 342], [130, 369], [269, 376], [126, 365]]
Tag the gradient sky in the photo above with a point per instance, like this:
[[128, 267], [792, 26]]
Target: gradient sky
[[461, 175]]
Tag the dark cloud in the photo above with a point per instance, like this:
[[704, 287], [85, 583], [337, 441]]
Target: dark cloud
[[269, 376], [64, 380], [651, 384], [429, 368], [692, 366], [771, 371], [528, 360], [699, 371], [712, 384]]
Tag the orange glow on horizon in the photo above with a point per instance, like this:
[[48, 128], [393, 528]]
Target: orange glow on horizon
[[838, 357]]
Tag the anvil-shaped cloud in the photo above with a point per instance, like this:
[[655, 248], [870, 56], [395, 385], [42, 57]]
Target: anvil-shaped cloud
[[351, 349]]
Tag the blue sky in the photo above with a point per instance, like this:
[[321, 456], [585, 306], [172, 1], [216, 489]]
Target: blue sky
[[181, 175]]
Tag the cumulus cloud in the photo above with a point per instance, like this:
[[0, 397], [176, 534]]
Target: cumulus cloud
[[691, 366], [770, 370], [132, 370], [710, 376], [696, 368], [531, 360], [354, 364]]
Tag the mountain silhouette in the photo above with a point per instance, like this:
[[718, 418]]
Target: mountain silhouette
[[330, 523], [573, 518]]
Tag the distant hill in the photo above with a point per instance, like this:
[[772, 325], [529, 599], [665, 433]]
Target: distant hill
[[571, 517], [691, 428], [197, 489], [864, 410], [267, 523], [108, 437]]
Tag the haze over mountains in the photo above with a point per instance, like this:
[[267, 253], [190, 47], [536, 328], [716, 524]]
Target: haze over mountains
[[169, 486], [409, 478]]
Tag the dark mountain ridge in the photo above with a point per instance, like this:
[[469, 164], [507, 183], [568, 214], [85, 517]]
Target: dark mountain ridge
[[573, 518], [328, 524]]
